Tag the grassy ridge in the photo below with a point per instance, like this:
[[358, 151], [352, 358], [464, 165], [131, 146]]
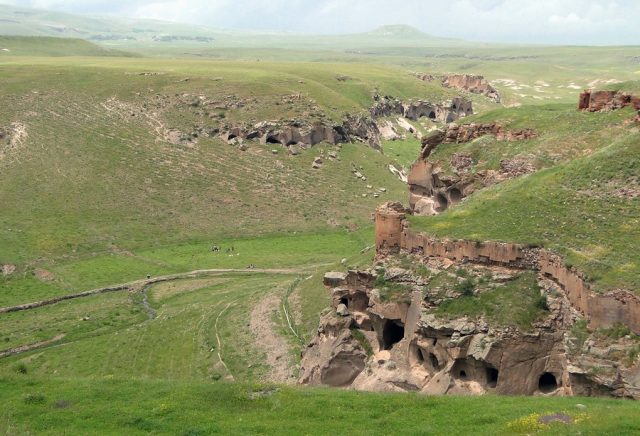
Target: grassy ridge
[[50, 46], [575, 208]]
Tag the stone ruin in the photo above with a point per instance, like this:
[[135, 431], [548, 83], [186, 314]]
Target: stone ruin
[[371, 343], [600, 101]]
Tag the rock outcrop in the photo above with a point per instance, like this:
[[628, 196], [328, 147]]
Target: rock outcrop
[[599, 101], [445, 112], [456, 134], [359, 128], [367, 342], [372, 340], [432, 191], [393, 235], [473, 84]]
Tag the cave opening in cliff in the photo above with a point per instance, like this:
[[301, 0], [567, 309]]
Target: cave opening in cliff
[[432, 115], [272, 140], [455, 195], [392, 333], [441, 202], [492, 377], [547, 383], [462, 374], [433, 361]]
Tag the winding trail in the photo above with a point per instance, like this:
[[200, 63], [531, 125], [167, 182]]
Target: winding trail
[[141, 284], [218, 337], [270, 341]]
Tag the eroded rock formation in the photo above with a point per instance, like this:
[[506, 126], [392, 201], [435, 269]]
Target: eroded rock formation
[[471, 83], [456, 134], [598, 101], [445, 112], [372, 340], [394, 235], [432, 191], [370, 343], [353, 128]]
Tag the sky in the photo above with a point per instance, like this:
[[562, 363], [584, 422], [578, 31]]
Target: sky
[[600, 22]]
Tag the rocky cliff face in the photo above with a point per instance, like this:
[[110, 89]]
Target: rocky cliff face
[[386, 330], [359, 128], [471, 83], [371, 342]]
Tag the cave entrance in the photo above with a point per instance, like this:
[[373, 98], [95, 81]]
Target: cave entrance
[[441, 202], [272, 140], [345, 301], [547, 383], [392, 333], [462, 374], [455, 195], [433, 361], [492, 377], [432, 115]]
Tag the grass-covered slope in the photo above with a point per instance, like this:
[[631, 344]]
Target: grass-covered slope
[[49, 46], [89, 176], [583, 204], [80, 406]]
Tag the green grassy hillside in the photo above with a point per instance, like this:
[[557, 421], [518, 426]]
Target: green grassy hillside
[[96, 190], [48, 46], [582, 204]]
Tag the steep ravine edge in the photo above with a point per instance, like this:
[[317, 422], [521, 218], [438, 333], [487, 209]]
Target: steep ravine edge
[[393, 235]]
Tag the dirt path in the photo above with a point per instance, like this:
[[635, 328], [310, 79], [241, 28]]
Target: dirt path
[[268, 340], [230, 375], [139, 284]]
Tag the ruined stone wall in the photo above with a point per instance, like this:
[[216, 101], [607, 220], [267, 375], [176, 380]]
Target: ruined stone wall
[[602, 310], [597, 101]]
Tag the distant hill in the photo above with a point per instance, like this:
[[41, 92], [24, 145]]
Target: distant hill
[[125, 32], [49, 46]]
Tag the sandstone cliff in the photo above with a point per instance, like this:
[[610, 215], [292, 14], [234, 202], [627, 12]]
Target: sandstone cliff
[[400, 341]]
